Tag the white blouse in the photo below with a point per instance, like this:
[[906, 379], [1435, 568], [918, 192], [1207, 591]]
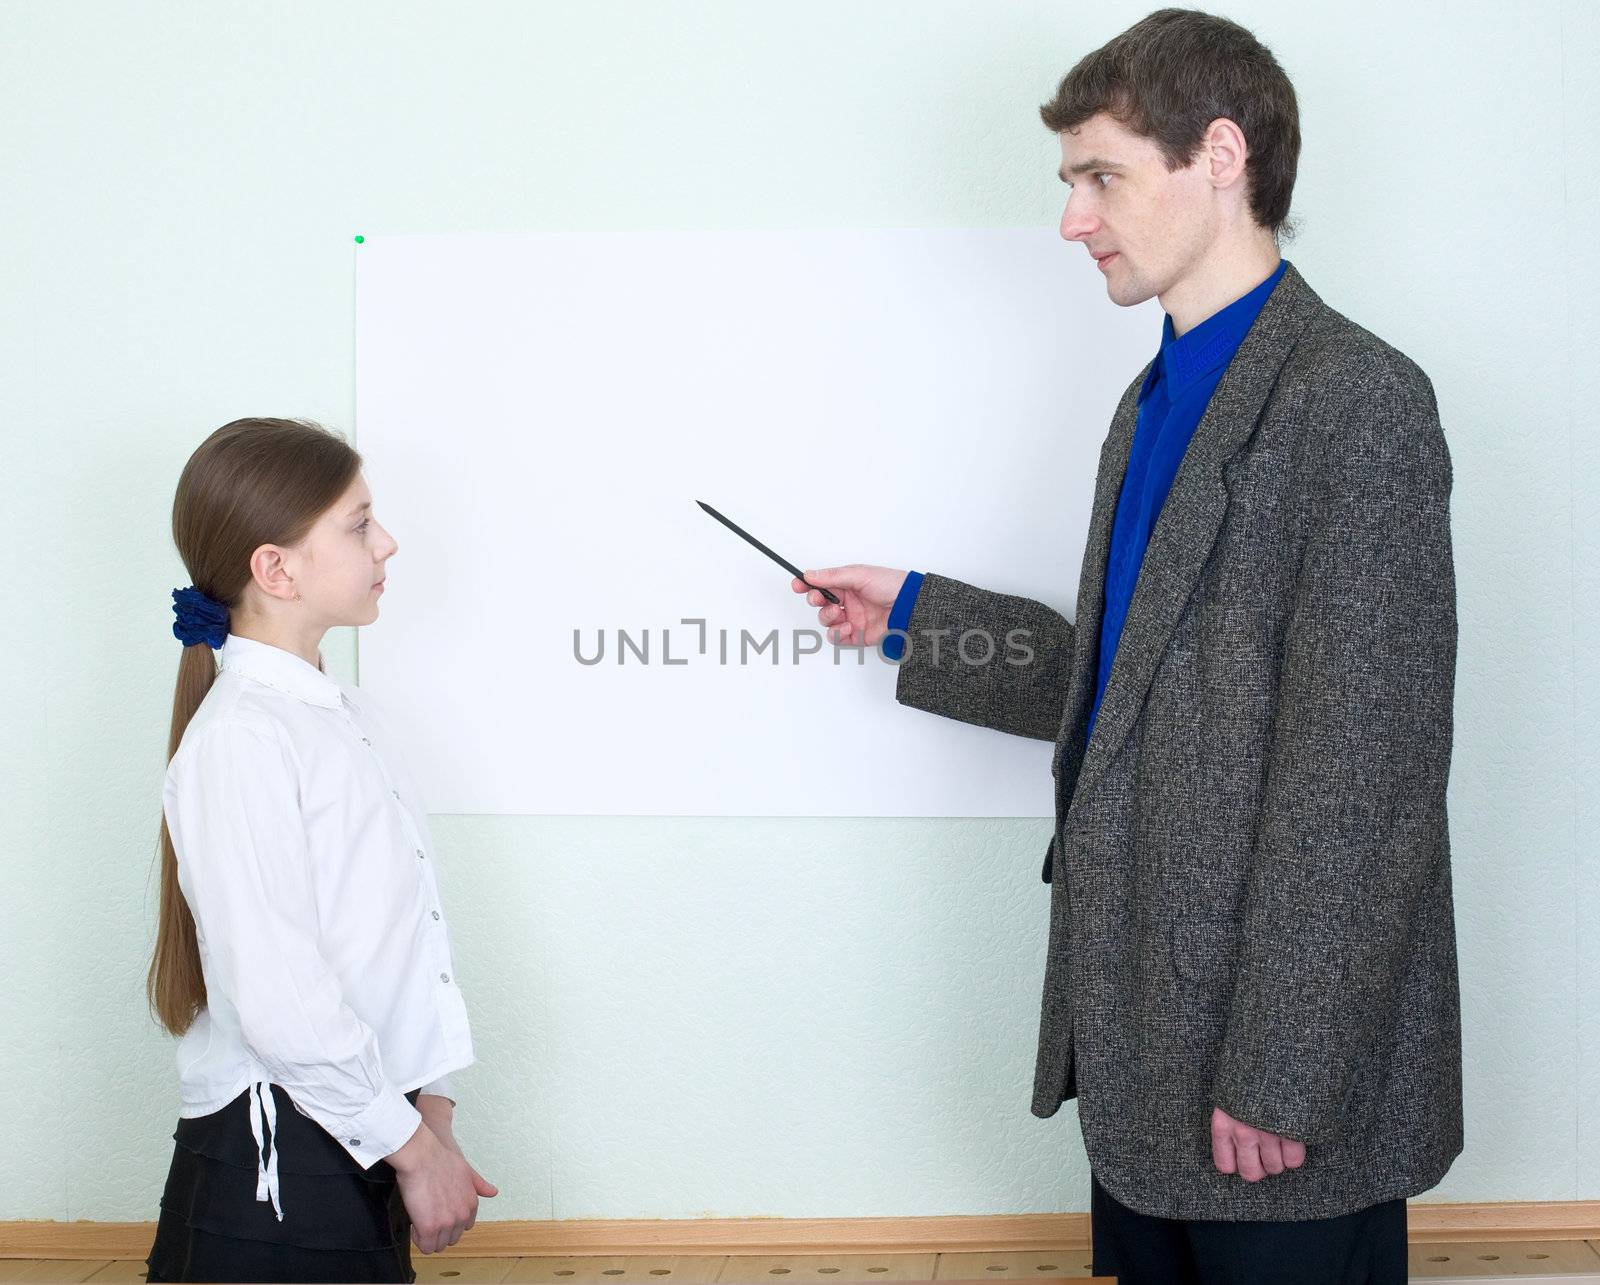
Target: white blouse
[[304, 854]]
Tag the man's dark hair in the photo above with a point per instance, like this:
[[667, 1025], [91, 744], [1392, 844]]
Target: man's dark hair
[[1170, 75]]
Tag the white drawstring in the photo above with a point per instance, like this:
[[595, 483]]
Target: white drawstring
[[262, 1106]]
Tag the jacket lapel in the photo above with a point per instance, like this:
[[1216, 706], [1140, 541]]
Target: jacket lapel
[[1096, 554], [1186, 528]]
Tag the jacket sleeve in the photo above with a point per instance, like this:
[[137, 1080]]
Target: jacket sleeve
[[233, 810], [988, 658], [1352, 826]]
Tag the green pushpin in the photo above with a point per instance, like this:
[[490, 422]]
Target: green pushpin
[[360, 239]]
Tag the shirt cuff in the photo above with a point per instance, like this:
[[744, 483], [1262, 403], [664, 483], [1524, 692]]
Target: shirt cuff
[[900, 615], [380, 1130]]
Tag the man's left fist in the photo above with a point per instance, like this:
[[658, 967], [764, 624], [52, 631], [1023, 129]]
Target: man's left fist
[[1252, 1153]]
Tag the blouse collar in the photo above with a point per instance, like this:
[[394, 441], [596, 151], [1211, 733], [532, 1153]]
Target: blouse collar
[[275, 667]]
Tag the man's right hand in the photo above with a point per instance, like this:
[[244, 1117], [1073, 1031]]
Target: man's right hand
[[440, 1190], [865, 596]]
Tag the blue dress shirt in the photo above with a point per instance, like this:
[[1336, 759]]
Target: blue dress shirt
[[1172, 399]]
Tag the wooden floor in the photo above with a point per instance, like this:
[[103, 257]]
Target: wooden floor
[[1552, 1260]]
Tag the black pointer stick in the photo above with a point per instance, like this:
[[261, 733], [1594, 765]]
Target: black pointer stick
[[787, 566]]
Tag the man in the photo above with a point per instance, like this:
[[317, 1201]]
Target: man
[[1251, 982]]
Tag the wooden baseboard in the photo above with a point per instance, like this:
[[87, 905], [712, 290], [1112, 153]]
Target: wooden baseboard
[[1427, 1223], [1506, 1220]]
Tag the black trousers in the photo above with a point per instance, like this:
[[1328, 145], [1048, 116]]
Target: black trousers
[[1367, 1247]]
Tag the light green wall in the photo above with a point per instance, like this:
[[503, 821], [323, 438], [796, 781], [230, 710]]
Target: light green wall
[[680, 1018]]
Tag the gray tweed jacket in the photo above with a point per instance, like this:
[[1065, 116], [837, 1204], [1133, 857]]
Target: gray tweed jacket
[[1250, 905]]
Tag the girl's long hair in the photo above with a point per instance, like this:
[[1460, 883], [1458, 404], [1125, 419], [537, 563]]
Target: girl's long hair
[[252, 482]]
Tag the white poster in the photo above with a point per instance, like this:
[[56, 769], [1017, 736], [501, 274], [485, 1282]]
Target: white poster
[[565, 631]]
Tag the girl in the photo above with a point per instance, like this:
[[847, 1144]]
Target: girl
[[302, 952]]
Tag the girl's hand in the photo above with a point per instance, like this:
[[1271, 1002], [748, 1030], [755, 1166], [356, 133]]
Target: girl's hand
[[438, 1113], [439, 1188]]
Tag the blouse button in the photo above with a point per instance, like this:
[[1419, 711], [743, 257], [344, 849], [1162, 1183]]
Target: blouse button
[[355, 1142], [365, 741], [419, 852], [435, 914], [444, 977], [396, 793]]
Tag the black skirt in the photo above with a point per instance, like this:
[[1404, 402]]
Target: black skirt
[[340, 1222]]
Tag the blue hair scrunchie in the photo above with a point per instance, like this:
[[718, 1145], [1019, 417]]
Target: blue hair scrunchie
[[199, 618]]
